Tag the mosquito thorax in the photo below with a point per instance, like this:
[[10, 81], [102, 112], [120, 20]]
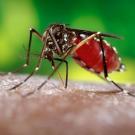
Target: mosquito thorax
[[62, 37]]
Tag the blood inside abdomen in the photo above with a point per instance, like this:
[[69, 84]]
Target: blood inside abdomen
[[90, 56]]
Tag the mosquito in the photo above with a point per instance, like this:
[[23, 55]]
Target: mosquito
[[88, 48]]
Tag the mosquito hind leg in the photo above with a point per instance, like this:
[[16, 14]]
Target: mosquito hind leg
[[106, 76]]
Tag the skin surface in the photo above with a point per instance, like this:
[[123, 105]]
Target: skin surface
[[81, 109]]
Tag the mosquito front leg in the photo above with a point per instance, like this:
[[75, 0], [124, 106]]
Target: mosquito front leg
[[32, 31], [37, 34], [27, 60]]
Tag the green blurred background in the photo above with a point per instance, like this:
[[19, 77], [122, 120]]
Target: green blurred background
[[16, 17]]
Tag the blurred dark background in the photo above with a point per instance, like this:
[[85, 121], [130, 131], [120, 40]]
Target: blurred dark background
[[16, 17]]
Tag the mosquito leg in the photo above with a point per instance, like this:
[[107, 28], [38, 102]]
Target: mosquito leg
[[32, 31], [105, 68], [19, 84], [27, 60], [30, 93], [56, 68], [104, 63], [61, 60], [35, 70], [53, 66]]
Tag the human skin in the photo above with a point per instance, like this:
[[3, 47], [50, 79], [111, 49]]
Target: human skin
[[81, 109]]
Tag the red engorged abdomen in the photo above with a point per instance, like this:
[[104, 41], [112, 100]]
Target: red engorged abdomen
[[89, 56]]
